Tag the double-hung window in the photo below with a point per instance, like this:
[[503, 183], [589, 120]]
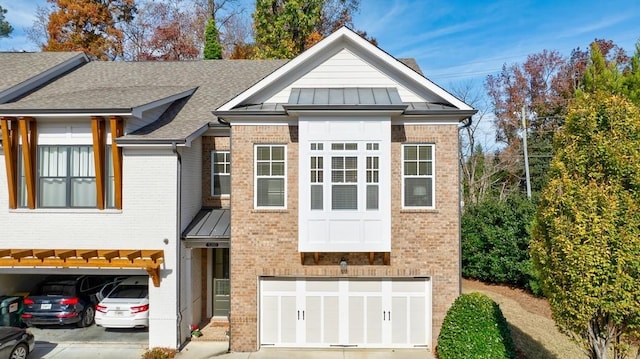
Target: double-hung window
[[418, 175], [66, 176], [270, 172], [221, 173]]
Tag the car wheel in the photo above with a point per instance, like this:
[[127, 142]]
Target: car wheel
[[19, 352], [87, 317]]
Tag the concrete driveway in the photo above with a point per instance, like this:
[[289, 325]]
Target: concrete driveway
[[92, 334]]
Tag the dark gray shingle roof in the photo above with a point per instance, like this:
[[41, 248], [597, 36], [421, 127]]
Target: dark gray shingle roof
[[19, 68]]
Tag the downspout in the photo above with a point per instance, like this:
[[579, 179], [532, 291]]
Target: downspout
[[469, 121], [178, 244]]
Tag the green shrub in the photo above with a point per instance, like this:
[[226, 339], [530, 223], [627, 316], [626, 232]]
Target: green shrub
[[474, 327], [159, 353], [495, 242]]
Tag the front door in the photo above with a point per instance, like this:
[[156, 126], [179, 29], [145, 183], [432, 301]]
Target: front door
[[221, 289]]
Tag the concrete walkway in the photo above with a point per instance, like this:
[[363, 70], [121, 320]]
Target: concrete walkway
[[206, 350]]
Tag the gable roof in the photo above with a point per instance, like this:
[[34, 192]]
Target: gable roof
[[343, 38], [21, 72]]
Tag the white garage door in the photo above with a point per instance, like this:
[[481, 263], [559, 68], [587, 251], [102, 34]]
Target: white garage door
[[384, 313]]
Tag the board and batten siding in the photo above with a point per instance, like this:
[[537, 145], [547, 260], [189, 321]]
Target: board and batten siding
[[345, 69]]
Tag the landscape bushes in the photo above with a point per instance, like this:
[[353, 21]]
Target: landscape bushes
[[475, 327], [495, 242]]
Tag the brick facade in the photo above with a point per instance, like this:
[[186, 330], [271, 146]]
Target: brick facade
[[424, 243]]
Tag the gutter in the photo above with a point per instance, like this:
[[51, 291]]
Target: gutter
[[179, 246]]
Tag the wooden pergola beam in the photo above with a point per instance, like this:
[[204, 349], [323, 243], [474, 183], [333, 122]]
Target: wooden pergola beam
[[148, 259]]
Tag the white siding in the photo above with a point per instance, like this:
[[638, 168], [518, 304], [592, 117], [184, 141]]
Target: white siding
[[345, 70], [147, 219]]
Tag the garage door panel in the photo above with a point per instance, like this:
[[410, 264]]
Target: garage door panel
[[378, 312], [288, 319], [417, 326], [374, 320], [332, 319], [270, 319], [313, 320]]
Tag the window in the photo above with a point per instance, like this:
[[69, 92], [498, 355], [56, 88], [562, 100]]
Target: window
[[373, 177], [317, 178], [221, 172], [66, 178], [270, 184], [418, 178]]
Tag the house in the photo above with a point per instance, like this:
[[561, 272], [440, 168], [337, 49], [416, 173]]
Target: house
[[313, 202]]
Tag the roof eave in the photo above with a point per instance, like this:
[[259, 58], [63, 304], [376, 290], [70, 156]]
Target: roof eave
[[66, 112]]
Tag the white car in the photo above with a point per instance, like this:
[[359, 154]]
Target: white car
[[126, 305]]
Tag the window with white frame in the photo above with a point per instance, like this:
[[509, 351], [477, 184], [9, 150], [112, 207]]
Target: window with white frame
[[221, 173], [270, 172], [317, 176], [66, 177], [418, 175]]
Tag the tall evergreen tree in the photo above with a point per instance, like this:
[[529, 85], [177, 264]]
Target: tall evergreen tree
[[5, 28], [586, 237], [212, 47]]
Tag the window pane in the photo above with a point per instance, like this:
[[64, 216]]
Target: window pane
[[351, 163], [337, 163], [83, 192], [53, 161], [410, 153], [351, 176], [418, 192], [221, 184], [263, 169], [351, 146], [337, 146], [337, 176], [53, 192], [344, 197], [425, 153], [263, 153], [270, 192], [277, 153], [372, 197], [410, 169], [82, 163], [316, 197], [277, 169]]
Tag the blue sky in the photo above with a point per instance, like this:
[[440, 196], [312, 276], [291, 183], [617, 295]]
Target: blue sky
[[456, 41]]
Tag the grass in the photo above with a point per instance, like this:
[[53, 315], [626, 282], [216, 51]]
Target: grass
[[534, 332]]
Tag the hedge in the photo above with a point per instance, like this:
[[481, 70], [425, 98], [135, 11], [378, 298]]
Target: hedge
[[475, 327]]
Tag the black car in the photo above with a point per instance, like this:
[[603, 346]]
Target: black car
[[64, 300], [15, 343]]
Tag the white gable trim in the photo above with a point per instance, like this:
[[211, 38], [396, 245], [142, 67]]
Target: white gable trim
[[344, 38]]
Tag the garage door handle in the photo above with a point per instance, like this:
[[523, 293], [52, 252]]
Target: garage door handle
[[389, 315], [298, 315], [384, 315], [303, 315]]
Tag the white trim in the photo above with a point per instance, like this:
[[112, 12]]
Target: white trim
[[255, 176], [326, 47], [433, 176], [64, 115]]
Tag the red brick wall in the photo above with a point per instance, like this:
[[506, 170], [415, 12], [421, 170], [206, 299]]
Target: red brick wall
[[265, 242]]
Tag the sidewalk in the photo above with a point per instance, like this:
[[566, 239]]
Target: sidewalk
[[206, 350]]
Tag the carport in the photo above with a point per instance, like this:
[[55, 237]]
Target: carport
[[21, 269]]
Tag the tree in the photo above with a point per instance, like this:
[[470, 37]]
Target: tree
[[283, 27], [5, 28], [91, 26], [586, 235], [212, 47]]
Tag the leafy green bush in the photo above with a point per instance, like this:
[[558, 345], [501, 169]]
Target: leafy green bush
[[474, 327], [495, 242]]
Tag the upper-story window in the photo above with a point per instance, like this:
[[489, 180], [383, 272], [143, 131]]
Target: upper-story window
[[66, 178], [221, 173], [353, 175], [418, 175], [270, 172]]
